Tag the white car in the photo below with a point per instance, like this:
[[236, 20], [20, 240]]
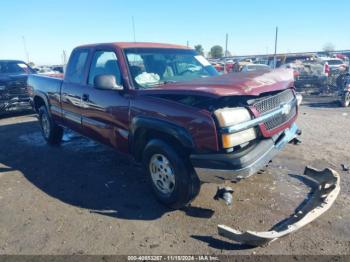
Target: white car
[[334, 63], [42, 70], [255, 67]]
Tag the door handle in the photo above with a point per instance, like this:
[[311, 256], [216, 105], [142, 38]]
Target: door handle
[[85, 97]]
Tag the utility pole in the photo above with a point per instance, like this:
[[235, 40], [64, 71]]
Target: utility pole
[[275, 55], [64, 60], [25, 49], [133, 28], [226, 45], [226, 42]]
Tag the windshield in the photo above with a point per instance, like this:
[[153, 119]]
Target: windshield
[[150, 67], [10, 67]]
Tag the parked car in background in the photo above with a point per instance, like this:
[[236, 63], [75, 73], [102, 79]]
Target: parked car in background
[[261, 61], [13, 85], [46, 70], [255, 67], [342, 57], [166, 106], [344, 89], [218, 66], [58, 69], [335, 65], [308, 75]]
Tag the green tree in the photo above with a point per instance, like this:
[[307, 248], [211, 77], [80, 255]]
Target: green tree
[[216, 51], [328, 47], [199, 49]]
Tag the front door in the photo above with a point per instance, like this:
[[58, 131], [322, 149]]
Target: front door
[[105, 114]]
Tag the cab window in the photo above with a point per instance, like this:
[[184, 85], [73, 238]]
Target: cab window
[[76, 66]]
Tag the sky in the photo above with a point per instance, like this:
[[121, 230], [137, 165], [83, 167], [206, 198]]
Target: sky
[[49, 27]]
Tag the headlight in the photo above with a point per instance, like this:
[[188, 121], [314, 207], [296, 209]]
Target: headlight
[[232, 116]]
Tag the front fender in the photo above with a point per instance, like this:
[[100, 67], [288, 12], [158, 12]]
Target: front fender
[[149, 125]]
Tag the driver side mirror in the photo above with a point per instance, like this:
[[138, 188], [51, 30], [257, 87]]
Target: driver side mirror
[[106, 82]]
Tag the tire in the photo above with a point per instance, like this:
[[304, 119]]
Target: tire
[[175, 184], [345, 102], [51, 132]]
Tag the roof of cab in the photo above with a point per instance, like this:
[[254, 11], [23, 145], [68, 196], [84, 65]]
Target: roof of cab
[[125, 45]]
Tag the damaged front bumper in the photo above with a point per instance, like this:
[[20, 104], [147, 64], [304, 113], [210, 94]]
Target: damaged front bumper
[[15, 104], [325, 191], [216, 168]]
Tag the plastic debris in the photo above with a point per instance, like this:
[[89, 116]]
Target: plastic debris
[[345, 167], [225, 194], [324, 193]]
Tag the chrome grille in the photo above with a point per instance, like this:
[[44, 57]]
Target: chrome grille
[[274, 102], [280, 119]]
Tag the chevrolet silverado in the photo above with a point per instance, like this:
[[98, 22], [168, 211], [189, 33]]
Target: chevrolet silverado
[[166, 106]]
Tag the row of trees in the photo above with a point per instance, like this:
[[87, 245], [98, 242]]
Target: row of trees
[[215, 52]]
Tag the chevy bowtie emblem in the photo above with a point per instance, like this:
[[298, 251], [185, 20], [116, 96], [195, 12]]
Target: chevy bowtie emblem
[[286, 109]]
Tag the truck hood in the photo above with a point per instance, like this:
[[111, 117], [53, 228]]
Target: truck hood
[[233, 84], [12, 77], [8, 82]]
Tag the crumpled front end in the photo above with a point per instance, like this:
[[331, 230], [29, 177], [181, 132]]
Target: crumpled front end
[[250, 137], [14, 96]]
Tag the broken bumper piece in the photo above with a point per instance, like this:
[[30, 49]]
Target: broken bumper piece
[[322, 197]]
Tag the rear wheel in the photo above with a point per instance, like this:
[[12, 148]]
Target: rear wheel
[[172, 178], [50, 130]]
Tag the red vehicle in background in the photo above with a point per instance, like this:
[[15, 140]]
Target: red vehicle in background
[[220, 67]]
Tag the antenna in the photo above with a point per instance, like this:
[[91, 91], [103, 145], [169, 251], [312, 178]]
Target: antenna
[[25, 48], [133, 28]]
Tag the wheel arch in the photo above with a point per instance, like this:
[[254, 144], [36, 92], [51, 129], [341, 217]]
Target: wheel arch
[[40, 100], [143, 129]]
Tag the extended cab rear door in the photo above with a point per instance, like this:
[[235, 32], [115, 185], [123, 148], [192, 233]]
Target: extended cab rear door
[[72, 89]]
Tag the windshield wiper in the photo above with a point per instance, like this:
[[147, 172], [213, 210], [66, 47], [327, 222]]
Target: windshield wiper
[[160, 83]]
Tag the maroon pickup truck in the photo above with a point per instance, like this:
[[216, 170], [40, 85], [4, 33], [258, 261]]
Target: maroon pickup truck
[[167, 107]]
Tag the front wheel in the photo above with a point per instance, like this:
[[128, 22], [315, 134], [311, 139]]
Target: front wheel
[[173, 180], [50, 130], [345, 102]]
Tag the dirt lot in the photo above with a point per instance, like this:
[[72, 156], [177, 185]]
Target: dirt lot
[[83, 198]]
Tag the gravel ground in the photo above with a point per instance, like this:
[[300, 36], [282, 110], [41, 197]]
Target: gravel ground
[[84, 198]]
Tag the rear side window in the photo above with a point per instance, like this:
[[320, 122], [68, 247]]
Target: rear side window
[[104, 63], [75, 70]]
